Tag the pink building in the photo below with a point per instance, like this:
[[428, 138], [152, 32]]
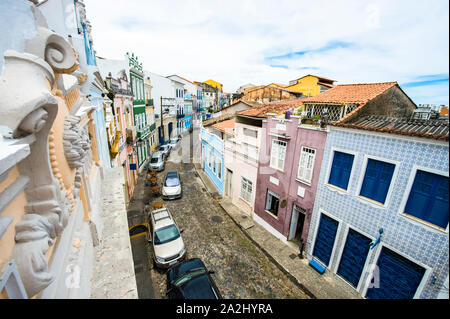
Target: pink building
[[289, 166], [121, 152]]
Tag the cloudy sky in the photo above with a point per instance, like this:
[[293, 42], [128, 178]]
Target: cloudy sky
[[262, 41]]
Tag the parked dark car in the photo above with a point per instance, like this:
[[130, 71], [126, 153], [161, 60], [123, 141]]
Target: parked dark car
[[191, 280]]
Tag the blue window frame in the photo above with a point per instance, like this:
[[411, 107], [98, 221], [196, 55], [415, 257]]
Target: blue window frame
[[428, 199], [377, 180], [341, 169]]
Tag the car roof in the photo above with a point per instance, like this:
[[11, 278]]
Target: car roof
[[157, 154], [162, 218]]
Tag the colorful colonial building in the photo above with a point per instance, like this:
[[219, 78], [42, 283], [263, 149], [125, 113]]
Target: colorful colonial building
[[380, 221], [51, 171]]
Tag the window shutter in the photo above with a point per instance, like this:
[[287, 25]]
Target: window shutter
[[302, 166], [428, 199], [274, 154], [341, 169], [309, 167]]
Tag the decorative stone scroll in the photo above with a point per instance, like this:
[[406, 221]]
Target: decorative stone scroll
[[28, 107], [75, 141]]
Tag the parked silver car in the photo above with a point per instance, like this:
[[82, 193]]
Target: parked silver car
[[174, 142], [165, 149], [156, 162], [168, 246], [172, 186]]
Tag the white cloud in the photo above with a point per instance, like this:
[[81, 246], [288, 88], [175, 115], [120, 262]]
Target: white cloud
[[230, 41]]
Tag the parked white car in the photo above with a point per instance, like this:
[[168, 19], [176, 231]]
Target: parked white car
[[174, 142], [171, 186], [156, 162], [168, 246], [165, 149]]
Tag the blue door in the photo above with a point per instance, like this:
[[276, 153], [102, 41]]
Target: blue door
[[354, 257], [170, 130], [326, 235], [399, 277]]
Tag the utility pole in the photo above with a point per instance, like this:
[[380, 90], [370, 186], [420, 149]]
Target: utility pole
[[162, 124]]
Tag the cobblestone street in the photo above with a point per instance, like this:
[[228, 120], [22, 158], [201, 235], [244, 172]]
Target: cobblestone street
[[242, 270]]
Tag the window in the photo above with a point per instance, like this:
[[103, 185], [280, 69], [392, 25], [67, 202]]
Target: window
[[341, 169], [272, 202], [251, 133], [278, 154], [428, 198], [209, 158], [377, 180], [219, 169], [306, 164], [246, 189], [214, 163]]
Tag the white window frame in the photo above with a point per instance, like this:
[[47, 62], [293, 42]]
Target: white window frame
[[276, 154], [209, 158], [265, 202], [412, 219], [370, 201], [219, 168], [330, 162], [244, 191], [308, 156]]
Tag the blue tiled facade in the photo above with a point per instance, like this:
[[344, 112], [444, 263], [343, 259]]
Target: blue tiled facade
[[422, 244], [212, 154]]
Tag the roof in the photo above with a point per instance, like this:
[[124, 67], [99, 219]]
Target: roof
[[273, 107], [444, 111], [319, 77], [249, 103], [433, 128], [270, 85], [225, 126], [325, 84], [179, 77], [351, 93]]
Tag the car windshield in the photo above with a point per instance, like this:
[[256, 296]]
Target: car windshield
[[166, 234], [188, 276], [154, 160], [172, 181]]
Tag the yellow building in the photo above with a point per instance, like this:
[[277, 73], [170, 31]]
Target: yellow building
[[214, 84], [310, 85]]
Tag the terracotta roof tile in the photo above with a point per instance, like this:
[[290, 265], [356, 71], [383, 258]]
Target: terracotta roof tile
[[274, 107], [225, 126], [351, 93], [435, 129]]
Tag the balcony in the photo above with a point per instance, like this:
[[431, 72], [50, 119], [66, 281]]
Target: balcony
[[152, 127], [180, 115], [149, 102], [144, 132]]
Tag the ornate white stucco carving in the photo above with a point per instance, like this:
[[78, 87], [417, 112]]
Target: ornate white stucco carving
[[28, 107], [75, 142]]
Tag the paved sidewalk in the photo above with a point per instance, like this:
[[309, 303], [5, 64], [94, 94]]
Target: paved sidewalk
[[113, 273], [285, 256]]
